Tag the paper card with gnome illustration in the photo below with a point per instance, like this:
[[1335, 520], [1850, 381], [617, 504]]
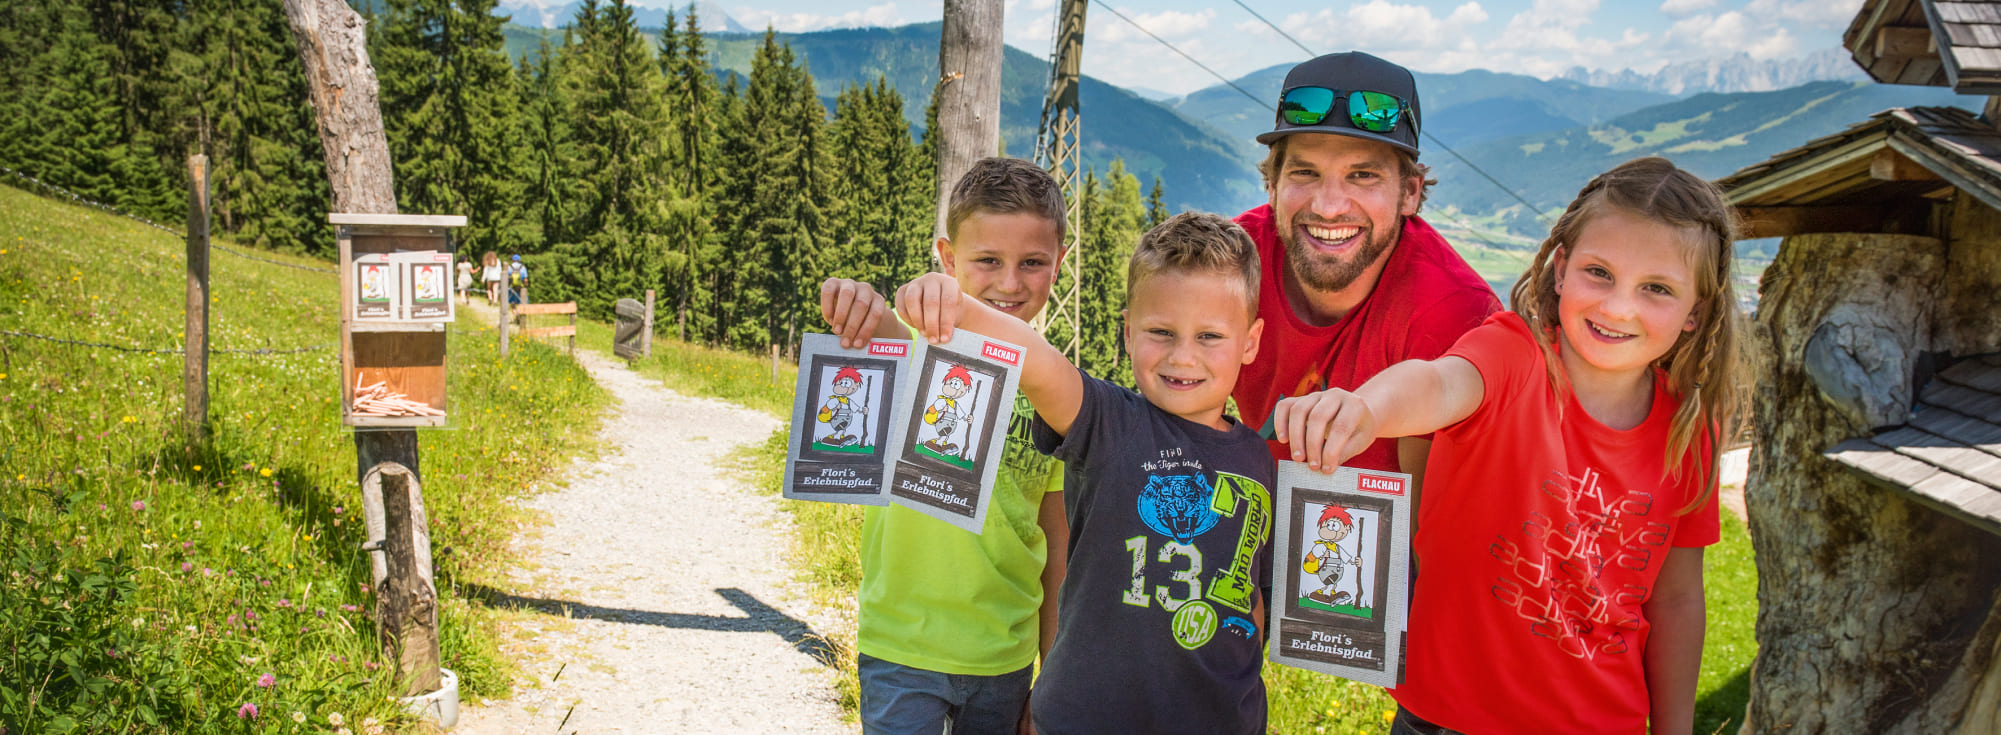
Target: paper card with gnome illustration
[[1342, 572], [844, 419], [956, 425]]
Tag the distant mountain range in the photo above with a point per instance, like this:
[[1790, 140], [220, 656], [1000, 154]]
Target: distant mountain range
[[1542, 139], [558, 13], [1739, 73]]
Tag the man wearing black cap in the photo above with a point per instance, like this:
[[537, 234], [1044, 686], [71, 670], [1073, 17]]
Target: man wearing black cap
[[1354, 281]]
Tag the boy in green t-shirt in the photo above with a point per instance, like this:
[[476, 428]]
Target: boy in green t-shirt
[[951, 622]]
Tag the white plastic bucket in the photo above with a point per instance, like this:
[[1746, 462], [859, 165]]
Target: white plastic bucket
[[441, 706]]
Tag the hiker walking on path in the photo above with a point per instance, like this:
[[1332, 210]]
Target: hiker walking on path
[[490, 275]]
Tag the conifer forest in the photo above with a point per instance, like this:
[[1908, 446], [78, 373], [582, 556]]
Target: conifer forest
[[615, 161]]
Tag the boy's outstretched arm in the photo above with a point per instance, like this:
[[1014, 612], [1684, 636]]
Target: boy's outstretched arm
[[1675, 613], [1412, 397], [857, 313], [933, 305]]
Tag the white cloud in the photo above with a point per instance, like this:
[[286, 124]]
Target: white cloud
[[1466, 15], [1834, 14], [1684, 7], [1168, 24], [879, 15], [1041, 4]]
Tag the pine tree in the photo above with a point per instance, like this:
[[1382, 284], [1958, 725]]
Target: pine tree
[[250, 114], [783, 168], [617, 246], [77, 142], [1156, 206], [450, 102], [882, 221], [137, 40], [741, 290], [691, 96], [1114, 218], [545, 123]]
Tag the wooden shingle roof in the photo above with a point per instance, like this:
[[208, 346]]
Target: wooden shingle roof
[[1939, 43], [1949, 455], [1853, 180]]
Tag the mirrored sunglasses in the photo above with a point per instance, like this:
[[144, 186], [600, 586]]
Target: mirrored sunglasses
[[1376, 112]]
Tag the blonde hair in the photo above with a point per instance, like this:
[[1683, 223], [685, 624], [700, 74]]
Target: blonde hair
[[1197, 242], [490, 259], [1706, 367]]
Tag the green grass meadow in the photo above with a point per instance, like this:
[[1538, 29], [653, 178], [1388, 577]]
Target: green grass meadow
[[150, 584]]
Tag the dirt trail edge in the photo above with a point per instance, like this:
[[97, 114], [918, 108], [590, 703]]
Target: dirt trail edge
[[664, 583]]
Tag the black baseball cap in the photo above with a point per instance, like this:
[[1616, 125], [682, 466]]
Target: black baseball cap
[[1345, 73]]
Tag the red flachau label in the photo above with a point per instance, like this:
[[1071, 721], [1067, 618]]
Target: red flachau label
[[889, 349], [1003, 354], [1384, 485]]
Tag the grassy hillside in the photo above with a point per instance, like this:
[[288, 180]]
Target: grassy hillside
[[1709, 134], [151, 585]]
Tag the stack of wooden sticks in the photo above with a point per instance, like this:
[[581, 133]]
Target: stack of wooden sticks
[[378, 400]]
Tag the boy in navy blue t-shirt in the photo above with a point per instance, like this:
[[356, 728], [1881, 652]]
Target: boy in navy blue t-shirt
[[1159, 619]]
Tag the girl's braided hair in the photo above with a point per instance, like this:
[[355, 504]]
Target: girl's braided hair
[[1706, 367]]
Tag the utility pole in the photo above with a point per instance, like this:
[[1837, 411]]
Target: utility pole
[[332, 44], [1057, 141], [969, 80]]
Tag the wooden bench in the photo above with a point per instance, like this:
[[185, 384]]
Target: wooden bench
[[569, 330]]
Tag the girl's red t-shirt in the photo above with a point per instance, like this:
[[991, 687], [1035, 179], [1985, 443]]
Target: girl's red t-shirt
[[1540, 534]]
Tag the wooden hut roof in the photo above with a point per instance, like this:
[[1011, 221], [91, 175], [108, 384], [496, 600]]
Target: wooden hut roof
[[1939, 43], [1949, 455], [1861, 179]]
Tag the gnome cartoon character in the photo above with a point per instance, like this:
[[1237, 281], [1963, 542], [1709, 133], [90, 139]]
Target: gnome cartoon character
[[1326, 558], [944, 413], [839, 409]]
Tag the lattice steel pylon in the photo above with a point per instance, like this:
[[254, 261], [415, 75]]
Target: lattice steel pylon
[[1057, 149]]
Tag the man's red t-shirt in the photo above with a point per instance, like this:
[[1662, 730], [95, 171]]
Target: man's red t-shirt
[[1540, 535], [1426, 298]]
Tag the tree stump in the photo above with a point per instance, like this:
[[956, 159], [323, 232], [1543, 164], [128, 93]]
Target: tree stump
[[1875, 614]]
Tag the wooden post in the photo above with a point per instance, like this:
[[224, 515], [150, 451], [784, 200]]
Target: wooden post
[[194, 365], [332, 44], [573, 331], [646, 331], [774, 364], [969, 82], [408, 609], [506, 295]]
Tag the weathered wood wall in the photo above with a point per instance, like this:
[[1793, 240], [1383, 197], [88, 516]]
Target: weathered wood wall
[[1876, 614]]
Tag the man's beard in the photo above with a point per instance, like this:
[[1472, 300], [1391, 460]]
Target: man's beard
[[1322, 273]]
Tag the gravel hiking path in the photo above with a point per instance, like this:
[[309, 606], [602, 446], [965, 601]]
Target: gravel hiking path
[[659, 589]]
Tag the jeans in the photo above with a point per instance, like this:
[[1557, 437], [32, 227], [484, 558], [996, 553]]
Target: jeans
[[1410, 724], [901, 700]]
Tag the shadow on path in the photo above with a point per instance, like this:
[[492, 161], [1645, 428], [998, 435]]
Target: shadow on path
[[759, 617]]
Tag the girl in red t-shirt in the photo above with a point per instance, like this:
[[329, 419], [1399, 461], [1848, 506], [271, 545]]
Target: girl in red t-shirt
[[1570, 486]]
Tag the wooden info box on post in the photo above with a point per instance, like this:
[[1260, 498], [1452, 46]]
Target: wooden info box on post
[[392, 337]]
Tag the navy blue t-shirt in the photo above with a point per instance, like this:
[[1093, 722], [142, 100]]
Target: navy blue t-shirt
[[1170, 528]]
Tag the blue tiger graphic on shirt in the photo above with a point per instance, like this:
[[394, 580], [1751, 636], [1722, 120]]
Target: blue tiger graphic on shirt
[[1177, 506]]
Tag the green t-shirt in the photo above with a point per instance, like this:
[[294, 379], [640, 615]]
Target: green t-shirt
[[937, 598]]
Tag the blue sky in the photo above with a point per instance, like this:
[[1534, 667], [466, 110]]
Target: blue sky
[[1535, 37]]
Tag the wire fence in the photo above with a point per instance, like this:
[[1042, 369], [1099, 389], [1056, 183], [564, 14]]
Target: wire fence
[[74, 198], [170, 351], [57, 191]]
